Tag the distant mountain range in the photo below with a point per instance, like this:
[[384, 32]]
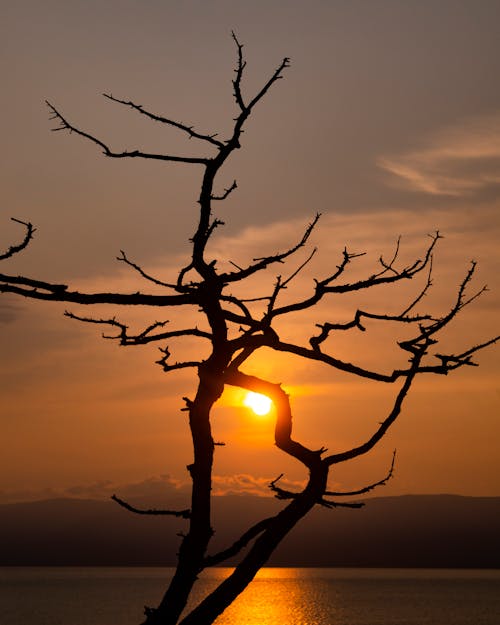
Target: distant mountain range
[[407, 531]]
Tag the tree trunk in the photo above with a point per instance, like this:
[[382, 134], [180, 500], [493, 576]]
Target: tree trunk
[[213, 605], [194, 544]]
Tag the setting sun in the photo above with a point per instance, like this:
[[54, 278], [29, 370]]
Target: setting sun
[[260, 404]]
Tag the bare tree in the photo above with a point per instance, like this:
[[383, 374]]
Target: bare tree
[[236, 328]]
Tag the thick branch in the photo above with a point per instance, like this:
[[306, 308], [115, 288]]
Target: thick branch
[[239, 544], [283, 428], [65, 125], [281, 493], [247, 319], [37, 289], [387, 422], [259, 552], [348, 367], [250, 342]]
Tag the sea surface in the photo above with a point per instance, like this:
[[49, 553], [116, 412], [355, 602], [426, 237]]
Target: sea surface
[[278, 596]]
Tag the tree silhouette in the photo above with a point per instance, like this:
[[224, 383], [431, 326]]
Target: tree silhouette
[[237, 327]]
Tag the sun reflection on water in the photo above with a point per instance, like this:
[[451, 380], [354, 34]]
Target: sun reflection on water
[[277, 596]]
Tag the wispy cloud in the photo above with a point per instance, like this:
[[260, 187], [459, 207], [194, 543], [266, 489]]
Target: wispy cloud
[[156, 490], [246, 484], [460, 160]]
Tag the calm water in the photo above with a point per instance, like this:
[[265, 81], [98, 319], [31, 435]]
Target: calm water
[[278, 596]]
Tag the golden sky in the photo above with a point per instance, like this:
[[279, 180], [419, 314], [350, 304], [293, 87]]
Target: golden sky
[[387, 122]]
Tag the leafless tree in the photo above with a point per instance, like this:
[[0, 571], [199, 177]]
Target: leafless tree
[[236, 328]]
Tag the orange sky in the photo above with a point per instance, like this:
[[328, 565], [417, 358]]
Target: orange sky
[[388, 122]]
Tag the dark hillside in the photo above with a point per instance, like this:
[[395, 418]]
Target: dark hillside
[[408, 531]]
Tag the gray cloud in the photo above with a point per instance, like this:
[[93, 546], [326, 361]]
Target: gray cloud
[[461, 160], [245, 484], [156, 490], [159, 489]]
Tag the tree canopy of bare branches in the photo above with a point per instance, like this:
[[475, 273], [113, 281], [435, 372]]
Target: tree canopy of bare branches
[[235, 330]]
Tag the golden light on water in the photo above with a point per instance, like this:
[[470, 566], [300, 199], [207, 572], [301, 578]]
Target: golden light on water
[[260, 404], [277, 596]]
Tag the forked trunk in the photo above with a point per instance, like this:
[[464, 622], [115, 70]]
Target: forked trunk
[[217, 601]]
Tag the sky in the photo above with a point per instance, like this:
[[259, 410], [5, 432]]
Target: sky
[[387, 122]]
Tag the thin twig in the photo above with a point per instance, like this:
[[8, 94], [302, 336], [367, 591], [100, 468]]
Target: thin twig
[[184, 514], [14, 249], [164, 120]]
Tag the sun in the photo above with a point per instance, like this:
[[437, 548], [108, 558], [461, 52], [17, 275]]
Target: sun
[[260, 404]]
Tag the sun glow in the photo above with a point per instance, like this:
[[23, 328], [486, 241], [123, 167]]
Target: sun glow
[[260, 404]]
